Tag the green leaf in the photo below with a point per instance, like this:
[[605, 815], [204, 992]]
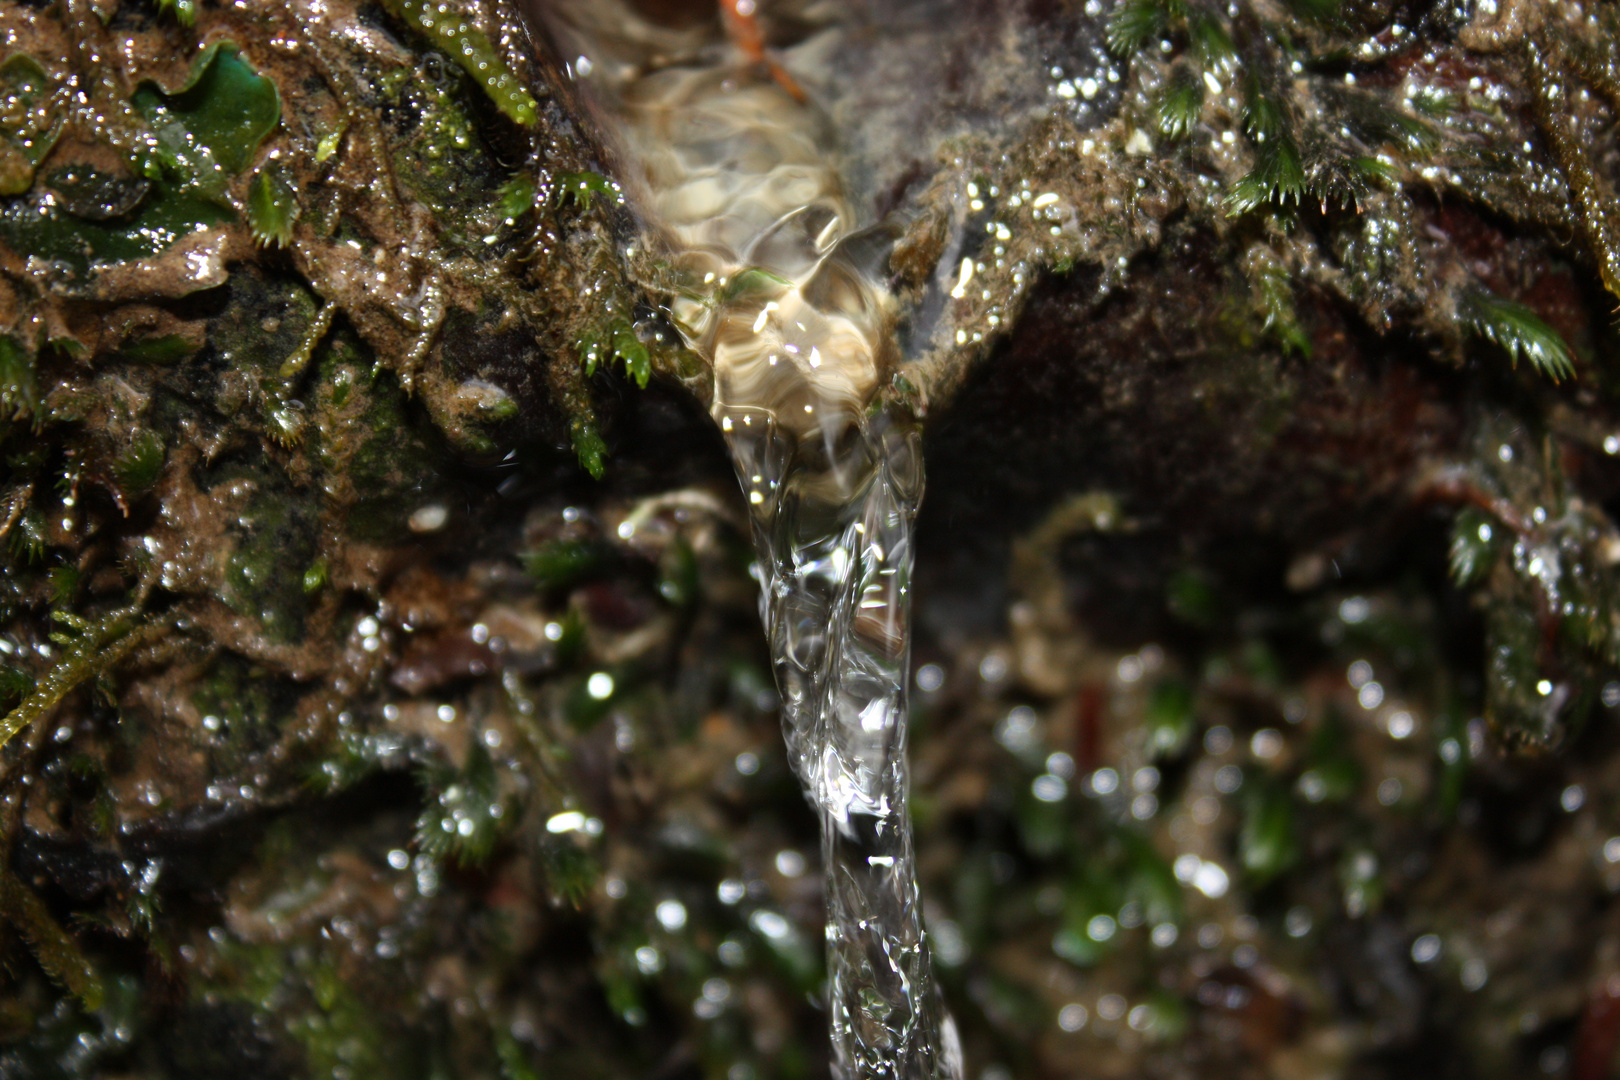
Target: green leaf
[[28, 126], [210, 129], [752, 282], [44, 228], [272, 208], [456, 35], [329, 143], [1518, 331]]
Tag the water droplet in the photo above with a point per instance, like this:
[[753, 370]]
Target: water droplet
[[671, 914]]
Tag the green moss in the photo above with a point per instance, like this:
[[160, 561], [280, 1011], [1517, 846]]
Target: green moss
[[1137, 23], [28, 123], [272, 208], [15, 684], [58, 954], [1518, 331], [1170, 719], [589, 446], [1181, 104], [583, 187], [303, 992], [19, 384], [679, 580], [263, 578], [466, 813], [1277, 178], [160, 349], [468, 46], [1267, 842], [1473, 547], [1274, 293], [1378, 124], [560, 563], [517, 196], [1211, 43], [141, 463], [89, 650], [617, 340], [65, 581], [27, 539]]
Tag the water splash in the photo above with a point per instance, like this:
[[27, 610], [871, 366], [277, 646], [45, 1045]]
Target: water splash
[[741, 177]]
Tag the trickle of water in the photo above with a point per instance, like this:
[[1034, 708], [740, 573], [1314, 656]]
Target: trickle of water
[[833, 482], [833, 507], [739, 175]]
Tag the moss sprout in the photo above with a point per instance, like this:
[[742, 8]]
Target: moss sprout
[[582, 188], [589, 446], [1518, 331], [141, 464], [1181, 103], [466, 812], [272, 208], [517, 196]]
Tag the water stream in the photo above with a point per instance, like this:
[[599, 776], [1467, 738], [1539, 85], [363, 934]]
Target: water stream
[[740, 175]]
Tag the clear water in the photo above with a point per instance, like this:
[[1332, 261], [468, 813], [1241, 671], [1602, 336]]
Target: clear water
[[833, 511], [741, 181], [799, 345]]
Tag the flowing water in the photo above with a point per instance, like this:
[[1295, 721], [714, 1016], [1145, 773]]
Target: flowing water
[[740, 176]]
